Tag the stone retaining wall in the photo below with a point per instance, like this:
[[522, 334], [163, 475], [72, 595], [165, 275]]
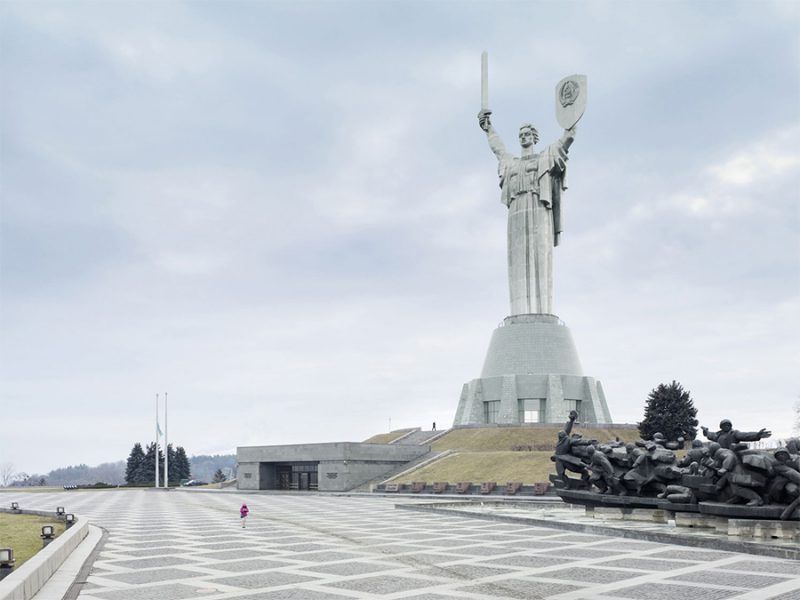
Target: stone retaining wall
[[25, 581]]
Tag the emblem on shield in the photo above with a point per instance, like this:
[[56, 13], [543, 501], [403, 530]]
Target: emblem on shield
[[570, 100]]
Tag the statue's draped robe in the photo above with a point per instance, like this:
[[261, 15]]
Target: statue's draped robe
[[531, 189]]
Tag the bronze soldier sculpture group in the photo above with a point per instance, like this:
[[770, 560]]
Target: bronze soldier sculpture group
[[721, 470]]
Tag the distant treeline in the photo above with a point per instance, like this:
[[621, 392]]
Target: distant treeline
[[203, 468]]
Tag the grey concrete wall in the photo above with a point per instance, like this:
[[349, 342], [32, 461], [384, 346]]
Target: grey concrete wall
[[532, 356], [531, 344], [328, 451], [342, 465], [25, 581]]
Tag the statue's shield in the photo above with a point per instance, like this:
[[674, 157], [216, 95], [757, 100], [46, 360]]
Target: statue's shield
[[570, 100]]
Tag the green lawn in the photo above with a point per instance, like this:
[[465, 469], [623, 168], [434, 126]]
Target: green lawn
[[22, 533], [487, 453], [385, 438], [501, 439], [477, 467]]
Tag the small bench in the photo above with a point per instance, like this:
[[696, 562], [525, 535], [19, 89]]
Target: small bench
[[463, 487], [417, 486], [487, 487], [439, 487], [512, 487], [392, 487]]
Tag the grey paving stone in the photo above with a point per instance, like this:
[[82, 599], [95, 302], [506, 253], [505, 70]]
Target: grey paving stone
[[350, 568], [789, 567], [629, 545], [386, 584], [662, 591], [465, 571], [307, 547], [293, 594], [146, 563], [580, 552], [581, 538], [433, 597], [316, 557], [158, 551], [794, 595], [480, 550], [153, 575], [537, 544], [231, 554], [520, 588], [697, 555], [727, 578], [646, 564], [489, 537], [174, 591], [255, 564], [225, 545], [425, 558], [531, 561], [589, 575], [262, 580]]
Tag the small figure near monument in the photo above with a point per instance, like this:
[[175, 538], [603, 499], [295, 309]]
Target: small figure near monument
[[727, 436], [243, 512]]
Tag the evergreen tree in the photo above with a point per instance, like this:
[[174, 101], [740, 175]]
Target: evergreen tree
[[182, 468], [669, 410], [219, 477], [135, 461], [147, 470], [173, 473]]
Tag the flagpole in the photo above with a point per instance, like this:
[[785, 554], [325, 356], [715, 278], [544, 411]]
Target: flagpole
[[157, 429], [166, 445]]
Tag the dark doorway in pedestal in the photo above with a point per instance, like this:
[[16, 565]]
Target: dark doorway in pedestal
[[298, 476]]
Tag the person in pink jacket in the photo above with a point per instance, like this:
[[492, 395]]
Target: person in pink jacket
[[243, 514]]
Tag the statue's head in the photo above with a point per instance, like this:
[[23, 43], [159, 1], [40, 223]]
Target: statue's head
[[697, 444], [713, 447], [590, 450], [528, 136], [562, 434], [659, 438], [782, 455], [725, 425]]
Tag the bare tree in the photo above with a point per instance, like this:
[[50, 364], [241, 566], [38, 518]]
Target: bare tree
[[6, 473], [797, 416]]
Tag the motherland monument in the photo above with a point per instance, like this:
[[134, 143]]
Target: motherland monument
[[532, 373]]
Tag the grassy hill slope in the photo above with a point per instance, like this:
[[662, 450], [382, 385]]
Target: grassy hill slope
[[487, 453]]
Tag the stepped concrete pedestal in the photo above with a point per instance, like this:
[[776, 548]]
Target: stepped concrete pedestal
[[531, 375]]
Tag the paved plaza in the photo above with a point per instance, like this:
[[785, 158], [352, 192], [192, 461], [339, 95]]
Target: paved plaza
[[178, 544]]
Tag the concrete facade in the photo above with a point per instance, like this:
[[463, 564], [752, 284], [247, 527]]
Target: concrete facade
[[340, 466], [531, 371]]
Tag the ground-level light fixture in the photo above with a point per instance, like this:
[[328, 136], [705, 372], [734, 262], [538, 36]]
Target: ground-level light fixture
[[48, 533], [15, 506], [6, 562], [69, 518], [60, 511]]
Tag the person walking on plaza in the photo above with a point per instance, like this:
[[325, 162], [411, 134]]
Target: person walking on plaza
[[243, 514]]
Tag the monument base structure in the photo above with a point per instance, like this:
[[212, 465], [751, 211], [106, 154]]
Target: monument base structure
[[531, 375]]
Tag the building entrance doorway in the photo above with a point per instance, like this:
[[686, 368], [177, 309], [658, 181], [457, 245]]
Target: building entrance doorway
[[298, 476]]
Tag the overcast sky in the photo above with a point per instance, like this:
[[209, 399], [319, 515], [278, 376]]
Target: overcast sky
[[285, 215]]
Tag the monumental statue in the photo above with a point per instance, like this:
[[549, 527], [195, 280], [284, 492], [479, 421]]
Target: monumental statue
[[532, 373], [531, 187]]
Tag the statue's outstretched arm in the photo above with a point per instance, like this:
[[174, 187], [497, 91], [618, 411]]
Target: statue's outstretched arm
[[568, 137], [495, 143]]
